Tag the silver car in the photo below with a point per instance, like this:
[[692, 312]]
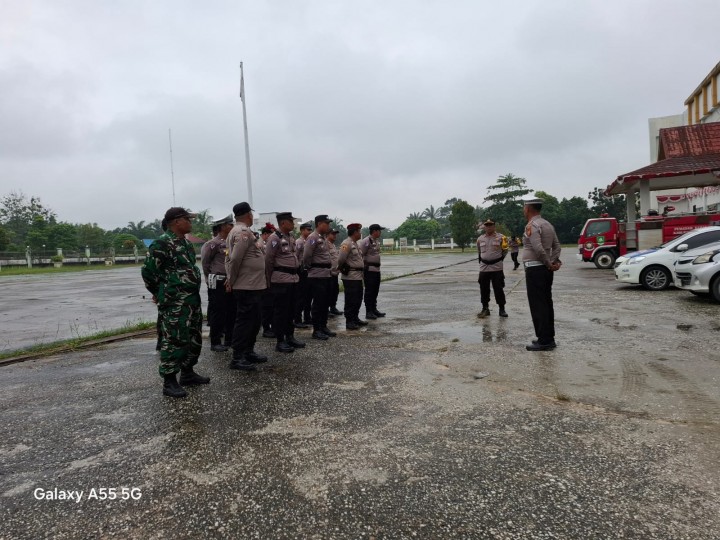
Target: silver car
[[698, 271]]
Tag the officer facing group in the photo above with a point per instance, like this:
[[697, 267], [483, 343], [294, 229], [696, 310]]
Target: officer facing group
[[370, 250], [541, 259], [221, 305], [492, 249]]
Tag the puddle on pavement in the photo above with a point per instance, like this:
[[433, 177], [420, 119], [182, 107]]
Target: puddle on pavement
[[463, 332]]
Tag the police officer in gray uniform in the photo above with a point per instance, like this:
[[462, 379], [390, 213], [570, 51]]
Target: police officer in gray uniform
[[370, 249], [221, 305], [302, 297], [541, 259], [281, 266], [334, 273], [492, 249], [245, 265], [350, 263], [316, 258]]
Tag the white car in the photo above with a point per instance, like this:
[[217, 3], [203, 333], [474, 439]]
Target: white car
[[653, 268], [698, 271]]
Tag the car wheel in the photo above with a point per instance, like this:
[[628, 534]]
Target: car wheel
[[604, 260], [715, 288], [655, 278]]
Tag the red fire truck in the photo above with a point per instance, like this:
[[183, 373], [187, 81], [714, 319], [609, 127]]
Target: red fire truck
[[604, 239]]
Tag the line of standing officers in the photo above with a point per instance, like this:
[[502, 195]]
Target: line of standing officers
[[274, 281]]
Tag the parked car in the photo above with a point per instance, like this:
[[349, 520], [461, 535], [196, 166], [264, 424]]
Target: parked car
[[653, 268], [698, 271]]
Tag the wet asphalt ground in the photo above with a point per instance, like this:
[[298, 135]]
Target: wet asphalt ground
[[387, 432]]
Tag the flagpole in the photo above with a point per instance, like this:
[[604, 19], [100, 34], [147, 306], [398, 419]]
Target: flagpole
[[247, 144], [172, 170]]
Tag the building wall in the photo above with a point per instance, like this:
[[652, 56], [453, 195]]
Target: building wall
[[655, 125], [703, 106]]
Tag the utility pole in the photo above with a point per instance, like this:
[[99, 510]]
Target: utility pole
[[247, 144]]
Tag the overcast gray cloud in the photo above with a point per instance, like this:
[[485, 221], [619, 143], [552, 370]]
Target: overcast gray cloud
[[364, 110]]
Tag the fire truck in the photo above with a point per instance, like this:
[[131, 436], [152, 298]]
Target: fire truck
[[604, 239]]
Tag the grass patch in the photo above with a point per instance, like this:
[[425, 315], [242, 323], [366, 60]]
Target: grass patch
[[24, 270], [54, 347]]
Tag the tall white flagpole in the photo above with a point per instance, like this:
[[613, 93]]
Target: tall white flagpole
[[247, 144], [172, 170]]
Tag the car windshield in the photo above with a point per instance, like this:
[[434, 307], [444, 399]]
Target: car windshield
[[678, 240]]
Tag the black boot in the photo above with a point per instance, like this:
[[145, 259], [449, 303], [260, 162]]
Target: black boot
[[352, 325], [360, 323], [240, 363], [188, 377], [255, 358], [219, 348], [335, 311], [172, 388], [284, 347], [370, 315], [378, 313], [295, 342], [325, 330], [502, 312]]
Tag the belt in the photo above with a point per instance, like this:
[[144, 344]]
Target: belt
[[321, 265], [285, 270], [372, 264], [219, 277], [491, 261], [528, 264]]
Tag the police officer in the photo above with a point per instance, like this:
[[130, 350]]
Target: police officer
[[514, 245], [334, 272], [173, 278], [541, 259], [350, 263], [302, 298], [245, 266], [281, 266], [370, 250], [266, 304], [221, 305], [316, 258], [492, 249]]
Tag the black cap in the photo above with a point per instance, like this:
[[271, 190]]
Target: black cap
[[177, 212], [222, 221], [488, 222], [376, 227], [306, 225], [240, 209], [284, 216], [322, 218], [333, 231]]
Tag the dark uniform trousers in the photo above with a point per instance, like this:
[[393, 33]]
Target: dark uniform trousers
[[334, 292], [497, 279], [302, 298], [353, 298], [247, 321], [539, 280], [319, 295], [372, 288], [266, 310], [283, 295], [221, 314]]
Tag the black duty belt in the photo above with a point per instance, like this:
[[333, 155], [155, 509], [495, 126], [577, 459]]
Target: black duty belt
[[285, 270], [372, 264], [491, 261], [321, 265]]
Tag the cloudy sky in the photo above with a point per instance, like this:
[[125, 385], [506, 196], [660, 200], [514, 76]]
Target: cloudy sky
[[363, 110]]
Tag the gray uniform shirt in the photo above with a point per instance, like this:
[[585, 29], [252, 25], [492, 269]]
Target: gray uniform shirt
[[316, 252], [245, 262], [280, 255], [334, 255], [540, 243], [370, 250], [212, 256], [491, 247], [350, 255]]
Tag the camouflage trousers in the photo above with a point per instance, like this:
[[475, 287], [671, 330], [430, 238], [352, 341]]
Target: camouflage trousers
[[180, 334]]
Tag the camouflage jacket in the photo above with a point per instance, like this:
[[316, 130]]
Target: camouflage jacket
[[170, 271]]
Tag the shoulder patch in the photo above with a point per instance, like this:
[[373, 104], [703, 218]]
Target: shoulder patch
[[528, 230]]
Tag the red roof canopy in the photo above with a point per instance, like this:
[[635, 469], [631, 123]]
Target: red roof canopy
[[689, 156]]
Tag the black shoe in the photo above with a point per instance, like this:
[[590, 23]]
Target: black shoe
[[219, 348], [301, 325], [537, 346], [484, 313], [502, 312], [255, 358], [295, 342], [361, 323], [370, 315], [352, 326], [242, 364], [378, 313], [307, 319], [328, 332], [188, 377], [269, 334], [320, 335], [335, 311], [331, 315], [228, 344], [284, 347], [172, 388]]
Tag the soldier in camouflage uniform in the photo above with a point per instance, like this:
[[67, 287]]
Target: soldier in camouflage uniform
[[173, 278]]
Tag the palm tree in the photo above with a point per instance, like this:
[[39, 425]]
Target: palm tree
[[139, 229], [415, 215], [430, 213]]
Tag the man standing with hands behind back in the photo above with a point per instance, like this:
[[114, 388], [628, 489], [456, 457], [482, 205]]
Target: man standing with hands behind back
[[492, 249], [541, 259], [370, 250]]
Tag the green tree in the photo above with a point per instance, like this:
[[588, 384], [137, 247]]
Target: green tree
[[4, 239], [202, 225], [18, 214], [417, 229], [138, 230], [89, 234], [430, 213], [508, 188], [573, 214], [415, 215], [126, 242], [63, 235], [37, 236], [613, 205], [462, 223], [551, 206]]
